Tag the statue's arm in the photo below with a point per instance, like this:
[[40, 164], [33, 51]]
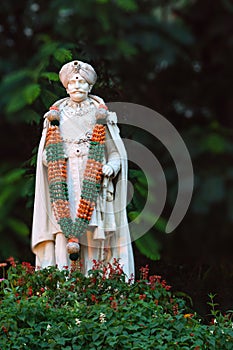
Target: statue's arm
[[112, 155], [44, 133]]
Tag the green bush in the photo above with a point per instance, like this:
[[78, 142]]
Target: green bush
[[52, 309]]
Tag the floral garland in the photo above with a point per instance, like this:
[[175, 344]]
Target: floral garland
[[57, 178]]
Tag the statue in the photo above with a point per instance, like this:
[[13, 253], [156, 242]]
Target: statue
[[81, 180]]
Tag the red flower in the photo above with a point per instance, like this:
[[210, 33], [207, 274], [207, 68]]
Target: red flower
[[93, 280], [21, 281], [93, 298], [175, 309], [144, 272], [11, 260], [142, 296], [96, 264], [131, 279], [114, 304], [212, 321], [30, 291], [4, 329], [163, 283]]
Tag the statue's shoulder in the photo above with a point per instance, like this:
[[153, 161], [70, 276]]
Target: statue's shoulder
[[97, 100], [112, 117]]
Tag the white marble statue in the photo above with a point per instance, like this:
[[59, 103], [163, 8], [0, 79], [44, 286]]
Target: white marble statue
[[107, 235]]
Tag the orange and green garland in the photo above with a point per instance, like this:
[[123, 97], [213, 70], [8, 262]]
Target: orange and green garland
[[57, 178]]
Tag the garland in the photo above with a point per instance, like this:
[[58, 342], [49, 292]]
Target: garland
[[57, 178]]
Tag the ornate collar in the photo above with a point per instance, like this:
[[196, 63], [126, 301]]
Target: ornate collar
[[78, 105]]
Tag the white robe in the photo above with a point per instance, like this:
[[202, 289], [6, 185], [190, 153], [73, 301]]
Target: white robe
[[108, 235]]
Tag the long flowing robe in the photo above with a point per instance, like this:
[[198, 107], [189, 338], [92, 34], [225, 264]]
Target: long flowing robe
[[108, 234]]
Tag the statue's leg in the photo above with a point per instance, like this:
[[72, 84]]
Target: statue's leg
[[45, 254], [61, 256], [108, 246], [91, 249]]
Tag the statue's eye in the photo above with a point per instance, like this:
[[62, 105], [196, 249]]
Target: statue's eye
[[75, 63]]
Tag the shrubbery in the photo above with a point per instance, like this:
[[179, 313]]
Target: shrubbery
[[52, 309]]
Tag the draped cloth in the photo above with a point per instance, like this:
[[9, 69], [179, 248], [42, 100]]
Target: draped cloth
[[108, 235]]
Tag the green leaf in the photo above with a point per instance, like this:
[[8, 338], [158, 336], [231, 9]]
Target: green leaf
[[14, 175], [17, 102], [214, 143], [184, 295], [16, 77], [95, 336], [62, 55], [48, 48], [149, 246], [161, 224], [31, 92], [102, 1], [126, 48], [18, 226], [141, 189], [133, 216], [127, 5], [50, 76]]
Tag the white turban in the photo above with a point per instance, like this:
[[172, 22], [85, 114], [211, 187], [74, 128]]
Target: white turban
[[74, 67]]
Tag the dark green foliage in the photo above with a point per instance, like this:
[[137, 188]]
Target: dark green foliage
[[52, 309]]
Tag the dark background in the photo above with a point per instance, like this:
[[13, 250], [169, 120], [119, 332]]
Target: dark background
[[172, 56]]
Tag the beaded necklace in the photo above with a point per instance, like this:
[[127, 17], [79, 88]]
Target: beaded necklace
[[57, 178]]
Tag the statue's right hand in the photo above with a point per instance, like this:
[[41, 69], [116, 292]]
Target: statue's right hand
[[107, 170]]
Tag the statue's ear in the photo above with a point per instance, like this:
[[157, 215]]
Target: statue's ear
[[90, 87]]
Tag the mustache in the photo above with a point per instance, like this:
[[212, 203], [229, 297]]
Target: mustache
[[77, 90]]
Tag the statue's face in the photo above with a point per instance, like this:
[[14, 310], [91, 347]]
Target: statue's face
[[78, 88]]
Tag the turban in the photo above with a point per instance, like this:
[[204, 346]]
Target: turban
[[74, 67]]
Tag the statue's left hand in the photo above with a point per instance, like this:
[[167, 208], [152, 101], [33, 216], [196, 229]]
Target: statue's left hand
[[107, 170]]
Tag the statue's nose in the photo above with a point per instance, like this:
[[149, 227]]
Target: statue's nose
[[77, 83]]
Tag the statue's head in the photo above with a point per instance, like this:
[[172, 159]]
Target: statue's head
[[78, 78]]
